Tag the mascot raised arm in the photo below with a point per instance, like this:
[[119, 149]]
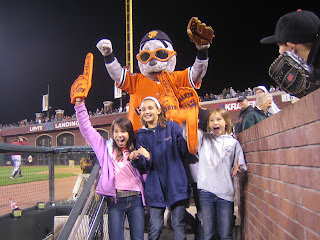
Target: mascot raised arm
[[158, 78]]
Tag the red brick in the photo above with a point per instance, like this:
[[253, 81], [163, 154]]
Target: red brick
[[265, 170], [295, 193], [315, 175], [316, 99], [298, 137], [289, 208], [316, 223], [286, 174], [289, 117], [270, 184], [314, 151], [313, 133], [275, 172], [264, 144], [273, 214], [281, 122], [300, 114], [273, 142], [292, 156], [284, 140], [278, 156], [280, 233], [281, 189], [311, 235], [295, 229], [307, 155], [311, 200], [277, 202], [305, 217], [302, 176], [310, 107]]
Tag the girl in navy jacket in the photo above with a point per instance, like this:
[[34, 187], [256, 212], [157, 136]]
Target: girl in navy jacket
[[162, 148]]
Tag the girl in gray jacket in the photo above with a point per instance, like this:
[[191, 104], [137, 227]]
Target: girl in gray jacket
[[220, 158]]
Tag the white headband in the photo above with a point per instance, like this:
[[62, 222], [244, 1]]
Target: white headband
[[153, 99]]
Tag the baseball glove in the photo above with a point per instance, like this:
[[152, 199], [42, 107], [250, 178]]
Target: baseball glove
[[291, 73], [81, 86], [199, 32]]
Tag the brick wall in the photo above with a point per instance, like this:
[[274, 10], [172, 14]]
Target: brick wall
[[281, 197]]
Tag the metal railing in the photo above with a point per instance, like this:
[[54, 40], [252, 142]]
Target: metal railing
[[84, 221]]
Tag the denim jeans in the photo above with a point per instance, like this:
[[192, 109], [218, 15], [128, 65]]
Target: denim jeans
[[177, 220], [217, 214], [132, 207]]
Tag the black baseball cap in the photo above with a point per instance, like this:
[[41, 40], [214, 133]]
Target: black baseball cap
[[155, 35], [241, 98], [295, 27]]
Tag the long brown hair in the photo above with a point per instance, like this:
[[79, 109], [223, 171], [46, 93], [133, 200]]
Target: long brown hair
[[223, 112], [126, 125]]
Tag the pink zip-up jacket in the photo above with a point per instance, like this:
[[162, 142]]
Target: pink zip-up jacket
[[103, 150]]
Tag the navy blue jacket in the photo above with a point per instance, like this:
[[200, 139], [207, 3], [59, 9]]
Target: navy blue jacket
[[166, 181]]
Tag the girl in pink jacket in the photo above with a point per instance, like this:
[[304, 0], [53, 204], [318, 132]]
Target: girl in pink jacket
[[121, 183]]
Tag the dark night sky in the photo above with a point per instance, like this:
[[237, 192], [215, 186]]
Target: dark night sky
[[45, 42]]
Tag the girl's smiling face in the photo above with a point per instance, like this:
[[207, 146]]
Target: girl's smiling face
[[217, 124], [120, 136], [150, 113]]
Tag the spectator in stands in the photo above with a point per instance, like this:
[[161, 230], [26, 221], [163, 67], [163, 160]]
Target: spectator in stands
[[259, 113], [262, 89], [224, 93], [245, 108], [232, 92], [119, 181], [272, 89]]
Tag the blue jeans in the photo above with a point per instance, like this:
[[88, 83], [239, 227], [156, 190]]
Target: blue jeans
[[132, 207], [216, 212], [177, 220]]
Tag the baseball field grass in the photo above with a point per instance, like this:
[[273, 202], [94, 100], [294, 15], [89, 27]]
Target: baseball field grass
[[32, 174]]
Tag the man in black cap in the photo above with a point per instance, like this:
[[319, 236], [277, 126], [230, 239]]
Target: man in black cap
[[245, 108], [298, 32]]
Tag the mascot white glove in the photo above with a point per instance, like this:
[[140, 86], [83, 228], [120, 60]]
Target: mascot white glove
[[105, 47]]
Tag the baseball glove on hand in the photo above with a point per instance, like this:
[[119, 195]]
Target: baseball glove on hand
[[291, 73], [199, 32], [81, 86]]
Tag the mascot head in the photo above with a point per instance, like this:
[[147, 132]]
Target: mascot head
[[156, 54]]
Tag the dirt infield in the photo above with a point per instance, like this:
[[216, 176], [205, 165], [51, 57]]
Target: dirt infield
[[28, 194]]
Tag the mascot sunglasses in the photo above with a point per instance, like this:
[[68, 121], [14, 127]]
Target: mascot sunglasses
[[160, 54]]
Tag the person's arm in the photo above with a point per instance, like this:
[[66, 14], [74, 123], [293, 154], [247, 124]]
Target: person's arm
[[97, 142], [114, 68], [140, 159], [239, 164]]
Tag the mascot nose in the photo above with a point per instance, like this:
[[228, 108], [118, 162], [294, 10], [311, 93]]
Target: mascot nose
[[152, 63]]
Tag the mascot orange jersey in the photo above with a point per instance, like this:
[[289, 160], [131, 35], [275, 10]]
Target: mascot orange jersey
[[156, 56], [139, 87]]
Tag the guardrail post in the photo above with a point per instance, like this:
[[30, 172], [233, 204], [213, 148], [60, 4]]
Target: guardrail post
[[51, 177]]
